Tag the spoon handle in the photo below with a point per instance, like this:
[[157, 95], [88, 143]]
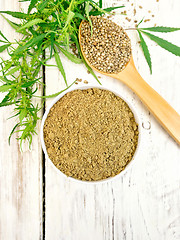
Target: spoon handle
[[162, 111]]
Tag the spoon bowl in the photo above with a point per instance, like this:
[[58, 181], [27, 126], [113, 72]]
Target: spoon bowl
[[159, 107]]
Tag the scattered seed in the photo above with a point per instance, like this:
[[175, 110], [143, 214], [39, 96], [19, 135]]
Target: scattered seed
[[85, 81], [135, 21], [78, 79], [149, 11], [99, 76], [134, 11], [88, 71], [140, 7], [153, 15], [76, 82], [146, 20], [128, 19], [124, 12]]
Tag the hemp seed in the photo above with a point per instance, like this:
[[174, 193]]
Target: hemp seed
[[108, 49]]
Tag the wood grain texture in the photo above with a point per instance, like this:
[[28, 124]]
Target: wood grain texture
[[20, 173], [159, 107], [145, 203]]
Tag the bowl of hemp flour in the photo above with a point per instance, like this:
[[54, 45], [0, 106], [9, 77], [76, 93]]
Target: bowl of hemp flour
[[90, 134]]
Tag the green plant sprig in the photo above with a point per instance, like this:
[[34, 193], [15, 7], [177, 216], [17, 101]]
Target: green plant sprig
[[160, 41], [51, 25]]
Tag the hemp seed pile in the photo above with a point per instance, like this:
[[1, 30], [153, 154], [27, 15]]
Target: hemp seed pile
[[90, 134], [108, 49]]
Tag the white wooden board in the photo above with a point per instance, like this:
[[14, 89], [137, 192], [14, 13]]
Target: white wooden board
[[145, 203], [20, 174]]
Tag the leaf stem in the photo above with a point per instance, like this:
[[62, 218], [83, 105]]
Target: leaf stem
[[131, 29]]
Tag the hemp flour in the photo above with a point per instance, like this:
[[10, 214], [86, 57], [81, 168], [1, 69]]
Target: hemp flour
[[90, 134]]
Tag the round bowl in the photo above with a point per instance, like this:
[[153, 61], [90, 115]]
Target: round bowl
[[137, 119]]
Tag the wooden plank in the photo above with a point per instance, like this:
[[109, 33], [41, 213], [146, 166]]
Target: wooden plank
[[145, 203], [20, 173]]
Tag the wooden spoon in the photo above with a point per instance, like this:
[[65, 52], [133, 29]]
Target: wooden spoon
[[162, 111]]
